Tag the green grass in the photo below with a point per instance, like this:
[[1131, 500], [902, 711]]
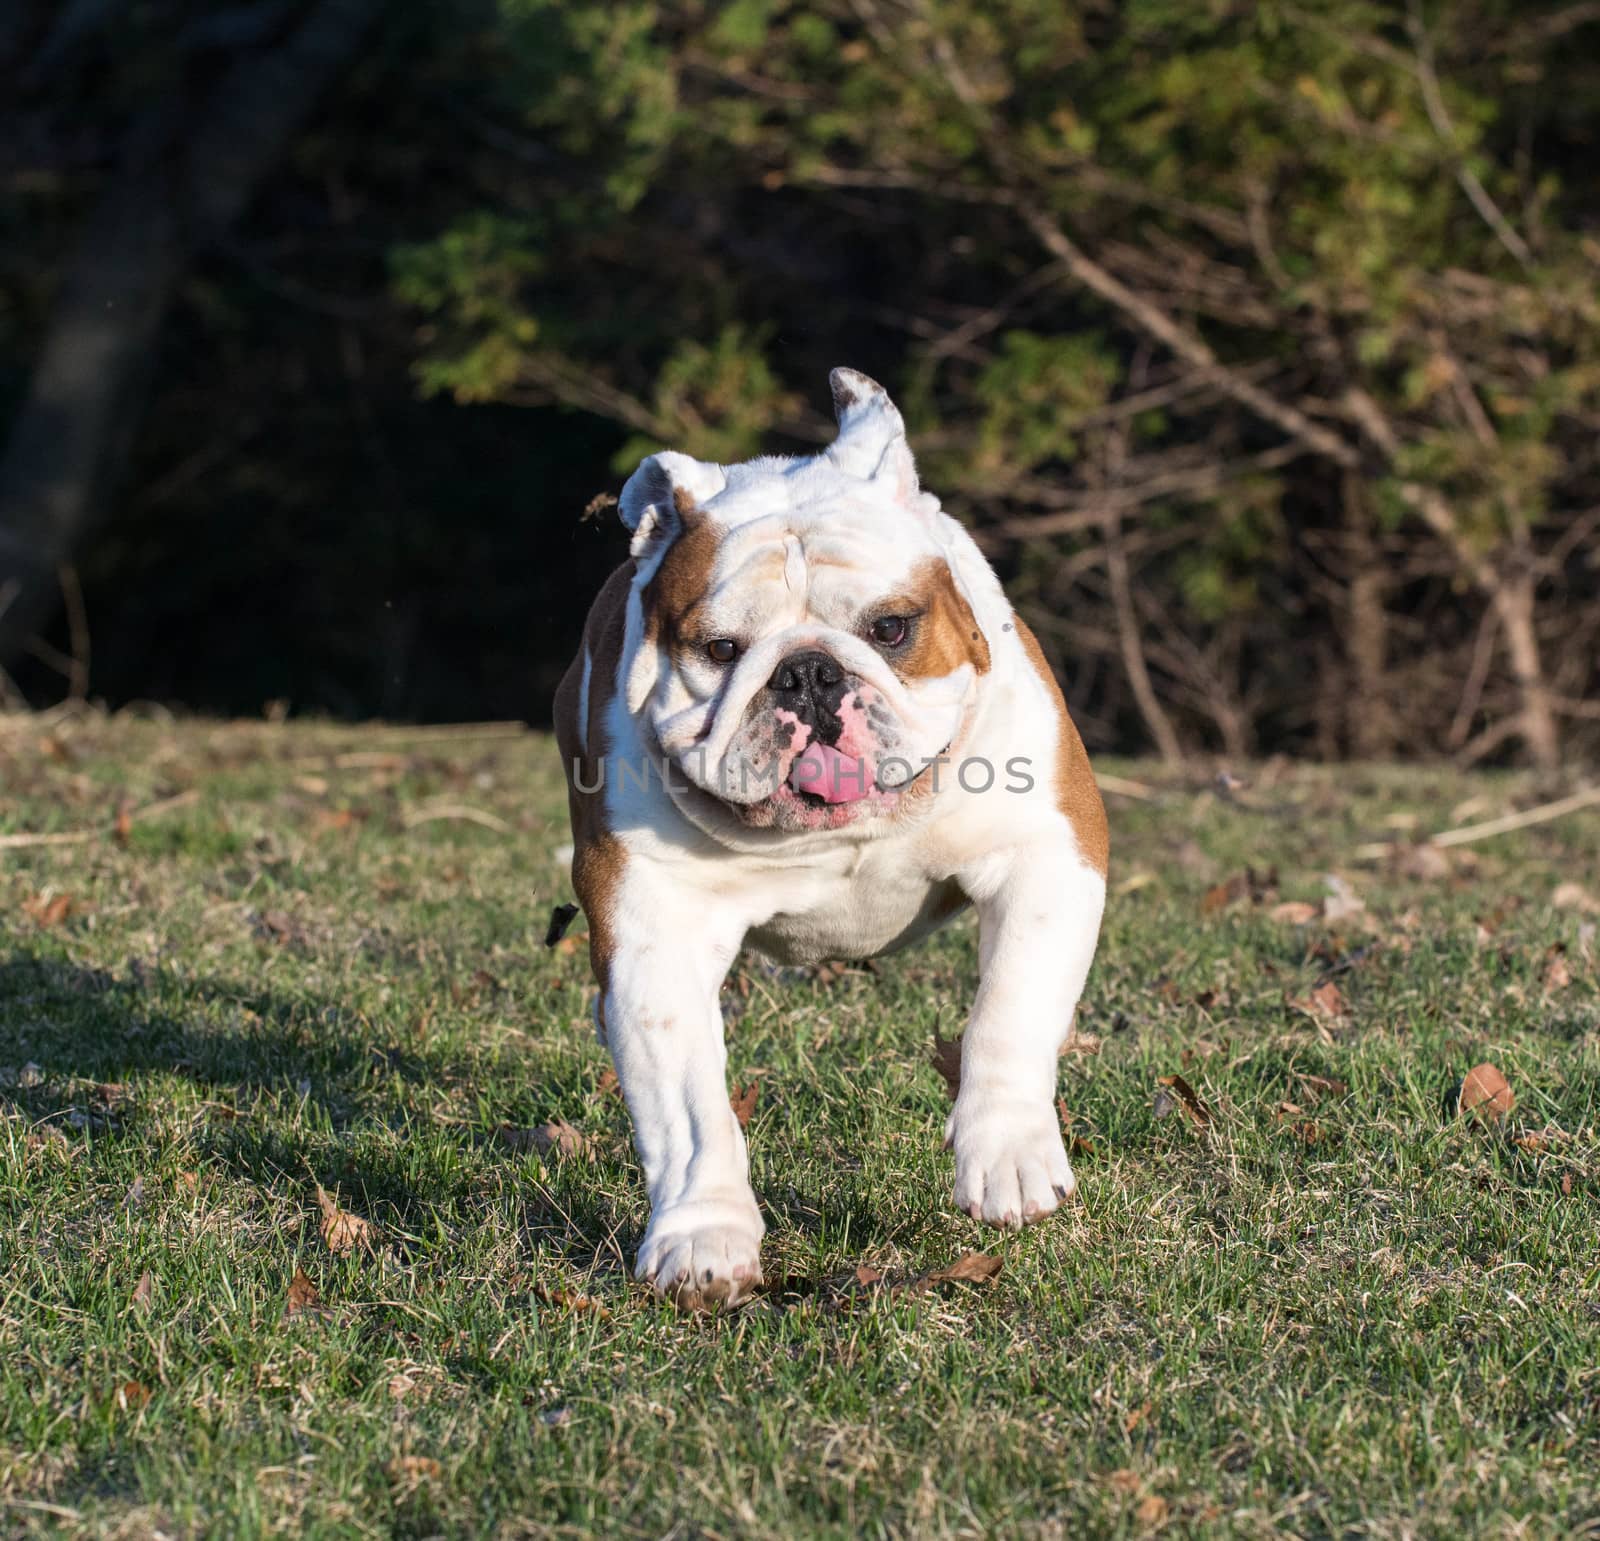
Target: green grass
[[1390, 1328]]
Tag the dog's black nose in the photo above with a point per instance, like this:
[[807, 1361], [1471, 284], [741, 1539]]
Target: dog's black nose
[[810, 673], [811, 685]]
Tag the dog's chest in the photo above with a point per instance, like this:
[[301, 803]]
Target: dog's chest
[[875, 908]]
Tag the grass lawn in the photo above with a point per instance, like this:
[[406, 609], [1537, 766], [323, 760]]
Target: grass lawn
[[311, 956]]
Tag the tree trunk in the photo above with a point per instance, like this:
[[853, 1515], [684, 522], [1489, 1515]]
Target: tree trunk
[[83, 402], [1132, 646], [1514, 600], [1369, 722]]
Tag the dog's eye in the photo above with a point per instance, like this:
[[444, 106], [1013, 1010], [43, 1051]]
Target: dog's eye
[[889, 630], [722, 650]]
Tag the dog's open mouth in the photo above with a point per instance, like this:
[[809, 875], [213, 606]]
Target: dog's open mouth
[[833, 791]]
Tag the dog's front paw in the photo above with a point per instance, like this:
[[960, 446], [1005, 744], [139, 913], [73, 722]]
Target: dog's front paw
[[1011, 1167], [703, 1255]]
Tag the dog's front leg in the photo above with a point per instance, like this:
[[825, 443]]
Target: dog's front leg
[[663, 1023], [1039, 911]]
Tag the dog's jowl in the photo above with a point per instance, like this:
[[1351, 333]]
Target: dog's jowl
[[805, 718]]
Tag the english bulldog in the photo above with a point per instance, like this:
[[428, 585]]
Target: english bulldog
[[805, 719]]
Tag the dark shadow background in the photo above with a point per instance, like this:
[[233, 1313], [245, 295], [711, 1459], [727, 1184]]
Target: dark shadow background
[[289, 512]]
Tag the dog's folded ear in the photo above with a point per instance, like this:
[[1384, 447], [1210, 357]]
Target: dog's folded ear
[[872, 434], [659, 498]]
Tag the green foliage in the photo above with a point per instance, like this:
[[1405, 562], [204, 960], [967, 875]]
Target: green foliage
[[1034, 392], [1383, 220]]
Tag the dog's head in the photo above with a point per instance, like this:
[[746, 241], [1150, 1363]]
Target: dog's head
[[805, 646]]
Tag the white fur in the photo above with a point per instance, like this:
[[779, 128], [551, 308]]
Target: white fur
[[841, 529]]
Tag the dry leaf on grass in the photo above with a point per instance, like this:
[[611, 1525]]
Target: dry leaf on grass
[[570, 1300], [1324, 1002], [1187, 1098], [143, 1292], [1557, 975], [1296, 912], [1424, 863], [945, 1057], [608, 1085], [969, 1268], [1257, 887], [302, 1297], [744, 1103], [1574, 896], [557, 1137], [1152, 1510], [130, 1396], [411, 1471], [1484, 1095], [341, 1230], [48, 910], [1322, 1085]]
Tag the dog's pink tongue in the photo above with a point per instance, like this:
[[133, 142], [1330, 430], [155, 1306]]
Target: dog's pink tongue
[[834, 777]]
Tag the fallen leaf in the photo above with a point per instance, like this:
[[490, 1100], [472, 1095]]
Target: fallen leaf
[[1485, 1094], [1079, 1043], [1557, 976], [1574, 896], [1152, 1510], [744, 1103], [1296, 912], [303, 1296], [1426, 863], [1189, 1100], [1221, 895], [1566, 1182], [1257, 887], [568, 1300], [143, 1292], [969, 1268], [557, 1136], [945, 1057], [608, 1085], [341, 1230], [1322, 1085], [46, 912], [131, 1396], [1325, 1001], [1136, 1417], [1125, 1481], [122, 829], [866, 1277], [411, 1471], [284, 930]]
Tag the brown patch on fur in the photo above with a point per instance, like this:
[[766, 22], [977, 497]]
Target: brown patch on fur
[[597, 855], [946, 633], [680, 582], [1077, 796]]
